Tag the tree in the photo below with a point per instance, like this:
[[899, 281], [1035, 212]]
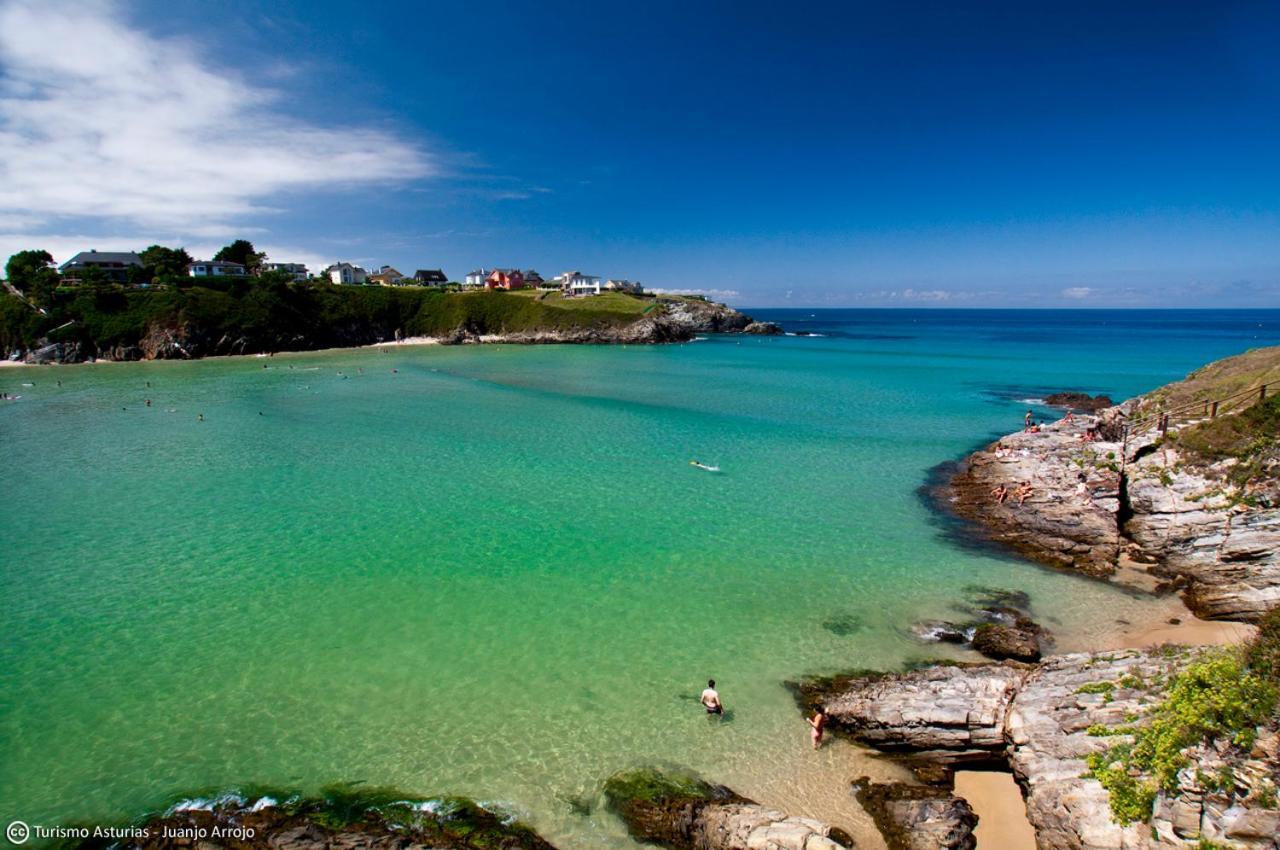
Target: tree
[[33, 273], [240, 251], [160, 261]]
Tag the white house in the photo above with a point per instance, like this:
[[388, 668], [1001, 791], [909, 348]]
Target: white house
[[297, 270], [577, 283], [346, 273], [632, 286], [215, 268], [476, 279]]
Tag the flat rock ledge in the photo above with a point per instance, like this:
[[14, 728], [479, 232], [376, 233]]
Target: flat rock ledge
[[918, 817], [681, 811], [1141, 502], [1034, 720], [349, 820]]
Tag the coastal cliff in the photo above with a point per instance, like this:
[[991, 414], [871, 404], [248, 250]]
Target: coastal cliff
[[1071, 730], [194, 322], [1197, 505]]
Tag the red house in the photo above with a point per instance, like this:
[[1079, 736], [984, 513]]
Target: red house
[[504, 279]]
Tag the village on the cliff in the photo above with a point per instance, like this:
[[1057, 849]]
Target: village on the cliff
[[123, 267]]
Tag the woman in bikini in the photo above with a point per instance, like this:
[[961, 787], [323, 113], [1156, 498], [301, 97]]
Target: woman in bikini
[[817, 723]]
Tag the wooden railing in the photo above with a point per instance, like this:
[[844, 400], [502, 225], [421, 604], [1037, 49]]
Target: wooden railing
[[1197, 411]]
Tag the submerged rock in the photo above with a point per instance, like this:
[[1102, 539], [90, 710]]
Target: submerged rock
[[1000, 627], [1079, 401], [918, 817], [683, 811]]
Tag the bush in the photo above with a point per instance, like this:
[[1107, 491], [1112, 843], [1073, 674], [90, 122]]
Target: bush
[[1263, 652], [1213, 699]]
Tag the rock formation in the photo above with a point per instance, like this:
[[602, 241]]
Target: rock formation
[[1143, 497], [918, 817], [1036, 721], [999, 625], [681, 811], [344, 819], [1079, 401]]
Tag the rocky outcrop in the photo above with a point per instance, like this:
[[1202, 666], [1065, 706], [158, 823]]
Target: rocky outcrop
[[762, 329], [1093, 502], [699, 316], [999, 625], [1037, 722], [344, 819], [1054, 524], [682, 811], [1079, 401], [1019, 640], [918, 817]]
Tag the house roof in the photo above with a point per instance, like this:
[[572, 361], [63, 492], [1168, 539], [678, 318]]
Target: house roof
[[506, 271], [430, 274], [477, 271], [214, 263], [128, 258]]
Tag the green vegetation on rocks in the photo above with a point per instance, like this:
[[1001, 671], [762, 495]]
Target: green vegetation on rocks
[[1251, 437], [378, 818], [659, 806], [650, 785], [1222, 697], [245, 315]]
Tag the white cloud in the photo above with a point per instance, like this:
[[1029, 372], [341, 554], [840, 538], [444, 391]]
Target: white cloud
[[102, 121], [1078, 292], [927, 294]]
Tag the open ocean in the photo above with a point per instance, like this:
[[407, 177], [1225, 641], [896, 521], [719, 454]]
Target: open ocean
[[492, 571]]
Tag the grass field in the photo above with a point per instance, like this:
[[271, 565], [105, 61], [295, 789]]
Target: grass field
[[613, 302]]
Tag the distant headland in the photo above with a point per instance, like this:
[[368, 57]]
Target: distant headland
[[162, 304]]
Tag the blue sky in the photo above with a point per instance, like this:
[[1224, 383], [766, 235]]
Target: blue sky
[[1011, 154]]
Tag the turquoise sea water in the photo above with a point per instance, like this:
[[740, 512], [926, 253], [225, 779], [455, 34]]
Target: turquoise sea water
[[492, 571]]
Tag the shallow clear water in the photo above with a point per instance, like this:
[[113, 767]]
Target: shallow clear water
[[492, 571]]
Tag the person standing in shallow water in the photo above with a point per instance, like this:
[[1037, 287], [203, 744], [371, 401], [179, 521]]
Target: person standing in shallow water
[[818, 723], [711, 698]]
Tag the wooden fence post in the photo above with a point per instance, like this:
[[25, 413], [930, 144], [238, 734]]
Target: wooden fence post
[[1213, 410]]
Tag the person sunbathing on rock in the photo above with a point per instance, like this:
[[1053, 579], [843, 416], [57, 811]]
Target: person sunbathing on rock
[[1024, 490], [1000, 493]]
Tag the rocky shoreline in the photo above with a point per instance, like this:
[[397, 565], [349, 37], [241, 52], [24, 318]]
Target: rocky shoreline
[[675, 321], [342, 818], [1101, 500], [1042, 722]]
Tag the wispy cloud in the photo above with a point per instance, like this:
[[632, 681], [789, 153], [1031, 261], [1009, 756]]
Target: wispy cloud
[[1078, 293], [710, 293], [102, 121]]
